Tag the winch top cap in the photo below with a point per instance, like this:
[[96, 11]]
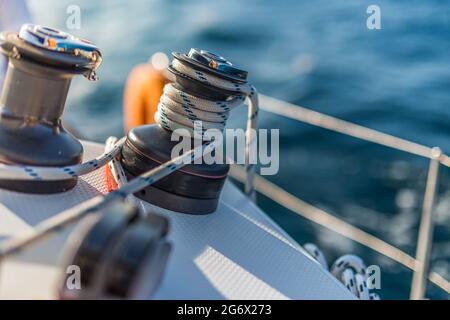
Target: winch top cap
[[52, 48], [213, 63], [54, 40]]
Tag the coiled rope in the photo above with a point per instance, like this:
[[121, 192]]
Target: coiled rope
[[180, 110], [176, 110], [349, 269], [18, 172], [46, 228]]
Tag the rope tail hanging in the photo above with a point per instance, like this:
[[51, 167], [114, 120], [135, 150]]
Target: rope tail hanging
[[178, 109]]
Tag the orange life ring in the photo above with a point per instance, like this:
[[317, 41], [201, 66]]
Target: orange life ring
[[143, 89]]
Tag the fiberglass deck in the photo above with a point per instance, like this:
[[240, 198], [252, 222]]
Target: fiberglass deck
[[235, 253]]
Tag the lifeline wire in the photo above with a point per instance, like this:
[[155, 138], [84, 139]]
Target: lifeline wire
[[180, 110]]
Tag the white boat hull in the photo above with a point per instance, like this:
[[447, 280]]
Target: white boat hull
[[238, 252]]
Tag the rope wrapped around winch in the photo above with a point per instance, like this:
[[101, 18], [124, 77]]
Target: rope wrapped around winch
[[177, 109]]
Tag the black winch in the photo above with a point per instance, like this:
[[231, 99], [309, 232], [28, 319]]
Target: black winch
[[121, 253], [195, 188], [41, 64]]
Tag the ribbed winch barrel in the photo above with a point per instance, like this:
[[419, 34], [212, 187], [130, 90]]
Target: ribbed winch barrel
[[41, 64]]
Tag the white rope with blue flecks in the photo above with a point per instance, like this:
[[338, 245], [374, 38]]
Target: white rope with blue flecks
[[176, 110], [48, 227], [348, 269], [180, 110], [18, 172], [172, 101], [119, 174], [114, 165]]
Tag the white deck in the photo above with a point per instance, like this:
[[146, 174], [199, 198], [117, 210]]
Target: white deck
[[235, 253]]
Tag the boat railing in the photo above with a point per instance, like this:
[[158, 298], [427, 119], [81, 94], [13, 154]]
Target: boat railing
[[420, 264]]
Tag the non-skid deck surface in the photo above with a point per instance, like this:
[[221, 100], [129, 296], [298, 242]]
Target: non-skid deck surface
[[235, 253]]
